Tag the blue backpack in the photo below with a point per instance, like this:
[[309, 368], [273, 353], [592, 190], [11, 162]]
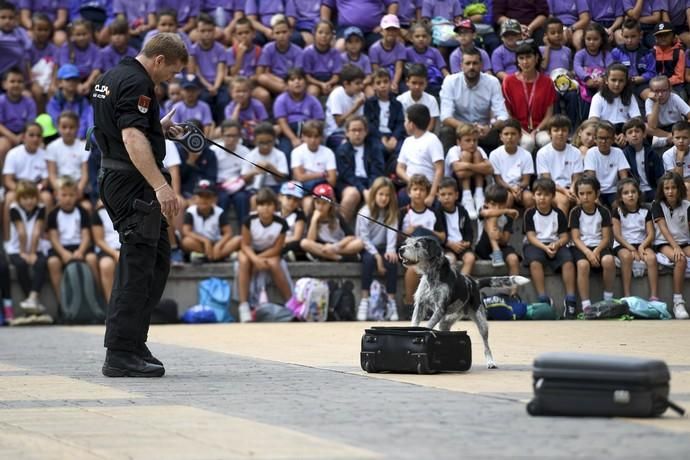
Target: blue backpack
[[215, 293], [645, 309], [498, 307]]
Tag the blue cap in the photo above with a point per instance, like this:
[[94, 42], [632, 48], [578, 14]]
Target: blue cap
[[190, 81], [289, 188], [353, 30], [68, 71]]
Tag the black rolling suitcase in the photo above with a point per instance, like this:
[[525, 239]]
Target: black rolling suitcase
[[600, 386], [415, 350]]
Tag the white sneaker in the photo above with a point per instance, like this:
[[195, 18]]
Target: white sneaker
[[392, 310], [468, 203], [679, 311], [363, 309], [478, 202], [32, 307], [245, 313]]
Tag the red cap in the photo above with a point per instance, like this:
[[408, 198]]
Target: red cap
[[324, 190]]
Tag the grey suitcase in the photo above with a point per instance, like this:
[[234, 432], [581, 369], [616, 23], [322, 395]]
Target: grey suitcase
[[415, 350], [600, 386]]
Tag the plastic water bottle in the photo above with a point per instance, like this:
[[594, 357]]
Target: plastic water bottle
[[638, 268]]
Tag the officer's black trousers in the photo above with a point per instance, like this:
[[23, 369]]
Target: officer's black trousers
[[142, 270]]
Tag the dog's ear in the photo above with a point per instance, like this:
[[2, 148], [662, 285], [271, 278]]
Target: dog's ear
[[433, 248]]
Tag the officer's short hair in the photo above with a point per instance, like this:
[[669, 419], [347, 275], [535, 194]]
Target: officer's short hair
[[168, 45]]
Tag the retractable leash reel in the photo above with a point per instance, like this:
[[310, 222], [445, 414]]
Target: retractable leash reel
[[194, 141]]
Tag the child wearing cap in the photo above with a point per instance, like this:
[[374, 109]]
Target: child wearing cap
[[354, 42], [466, 33], [670, 57], [206, 233], [15, 110], [329, 237], [191, 107], [388, 52], [278, 57], [67, 98], [290, 198], [503, 61]]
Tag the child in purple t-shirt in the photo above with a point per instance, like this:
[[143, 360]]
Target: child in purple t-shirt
[[555, 55], [67, 98], [191, 108], [243, 58], [278, 57], [244, 108], [388, 52], [112, 54], [322, 63], [15, 110], [590, 63], [41, 59], [55, 10], [421, 53], [208, 61], [292, 108], [260, 12], [82, 52], [466, 33], [354, 42], [503, 59]]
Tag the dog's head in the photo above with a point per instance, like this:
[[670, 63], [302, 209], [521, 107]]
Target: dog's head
[[420, 252]]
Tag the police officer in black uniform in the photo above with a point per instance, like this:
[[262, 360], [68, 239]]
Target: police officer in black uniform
[[135, 190]]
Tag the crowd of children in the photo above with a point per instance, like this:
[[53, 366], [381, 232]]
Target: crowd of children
[[594, 158]]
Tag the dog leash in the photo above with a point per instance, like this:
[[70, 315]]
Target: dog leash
[[194, 140]]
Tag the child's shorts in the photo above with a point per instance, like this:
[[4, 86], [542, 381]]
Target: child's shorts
[[618, 248], [579, 255], [535, 254], [483, 249], [70, 247]]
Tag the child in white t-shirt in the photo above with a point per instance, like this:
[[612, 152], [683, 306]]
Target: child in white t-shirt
[[606, 163], [344, 101], [421, 153], [417, 82], [513, 166], [312, 163]]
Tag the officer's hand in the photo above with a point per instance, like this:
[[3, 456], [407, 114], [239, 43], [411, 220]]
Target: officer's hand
[[170, 206], [169, 128]]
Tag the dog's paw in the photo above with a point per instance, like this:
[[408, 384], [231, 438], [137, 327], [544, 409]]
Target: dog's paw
[[491, 365]]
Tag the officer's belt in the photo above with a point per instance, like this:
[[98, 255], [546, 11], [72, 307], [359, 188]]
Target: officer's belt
[[117, 165]]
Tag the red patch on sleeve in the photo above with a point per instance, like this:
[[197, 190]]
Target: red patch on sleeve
[[143, 104]]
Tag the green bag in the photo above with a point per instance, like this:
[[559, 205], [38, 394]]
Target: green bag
[[540, 311]]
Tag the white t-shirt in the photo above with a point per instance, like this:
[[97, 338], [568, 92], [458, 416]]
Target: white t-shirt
[[360, 170], [419, 154], [453, 155], [319, 162], [511, 166], [275, 157], [615, 112], [606, 167], [229, 166], [640, 161], [633, 225], [669, 159], [26, 166], [384, 116], [675, 110], [338, 103], [68, 158], [172, 155], [427, 99], [559, 164]]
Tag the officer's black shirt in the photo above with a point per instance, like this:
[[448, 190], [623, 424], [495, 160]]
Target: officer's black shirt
[[124, 97]]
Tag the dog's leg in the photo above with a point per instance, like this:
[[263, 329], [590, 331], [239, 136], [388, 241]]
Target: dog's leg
[[417, 314], [446, 323], [479, 318], [436, 317]]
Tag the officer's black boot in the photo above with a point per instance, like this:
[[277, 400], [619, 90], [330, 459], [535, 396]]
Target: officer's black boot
[[147, 356], [128, 364]]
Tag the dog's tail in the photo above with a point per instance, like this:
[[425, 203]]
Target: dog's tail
[[502, 281]]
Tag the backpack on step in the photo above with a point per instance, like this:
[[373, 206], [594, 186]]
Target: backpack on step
[[341, 301], [310, 300], [215, 293], [378, 301], [80, 301]]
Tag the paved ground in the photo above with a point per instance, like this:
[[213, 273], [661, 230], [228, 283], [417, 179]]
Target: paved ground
[[295, 391]]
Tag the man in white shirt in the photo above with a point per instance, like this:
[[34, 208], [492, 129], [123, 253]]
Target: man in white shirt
[[472, 97]]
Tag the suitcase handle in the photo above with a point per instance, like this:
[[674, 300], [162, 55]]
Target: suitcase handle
[[679, 410]]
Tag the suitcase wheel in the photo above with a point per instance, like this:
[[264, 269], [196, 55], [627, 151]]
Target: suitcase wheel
[[532, 408]]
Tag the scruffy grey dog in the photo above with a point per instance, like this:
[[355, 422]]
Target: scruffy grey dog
[[448, 293]]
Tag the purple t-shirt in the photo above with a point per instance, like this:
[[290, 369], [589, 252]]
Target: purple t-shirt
[[365, 14], [207, 59], [201, 111], [558, 58], [305, 12], [407, 11], [249, 61], [14, 49], [429, 57], [363, 62], [35, 53], [456, 60], [210, 6], [254, 112], [387, 58], [265, 9], [605, 11], [47, 7], [278, 62], [503, 60], [110, 57], [584, 64], [448, 9], [309, 108], [568, 11], [14, 115], [85, 59], [133, 10], [185, 9], [321, 65], [648, 6], [676, 11]]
